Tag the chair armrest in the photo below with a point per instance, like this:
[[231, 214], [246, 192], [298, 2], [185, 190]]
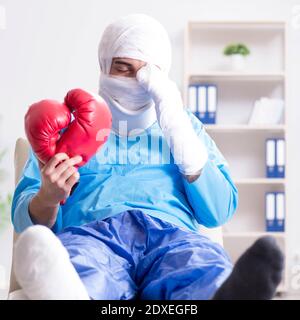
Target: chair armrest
[[20, 158]]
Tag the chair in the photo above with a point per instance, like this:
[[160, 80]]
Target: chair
[[20, 158]]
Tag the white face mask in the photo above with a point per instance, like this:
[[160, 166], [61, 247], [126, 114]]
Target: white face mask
[[127, 92], [129, 103]]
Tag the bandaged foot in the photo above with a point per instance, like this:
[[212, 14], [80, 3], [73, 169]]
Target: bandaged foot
[[188, 150], [43, 268], [256, 274]]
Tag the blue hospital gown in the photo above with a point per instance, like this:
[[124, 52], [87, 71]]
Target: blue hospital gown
[[138, 174]]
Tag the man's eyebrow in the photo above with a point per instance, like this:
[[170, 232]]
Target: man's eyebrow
[[123, 63]]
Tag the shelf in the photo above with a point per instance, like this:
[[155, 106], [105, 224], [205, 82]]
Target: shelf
[[241, 143], [260, 181], [281, 235], [243, 128], [239, 25], [236, 76]]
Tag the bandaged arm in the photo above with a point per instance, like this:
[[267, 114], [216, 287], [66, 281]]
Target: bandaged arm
[[208, 185], [188, 150], [26, 189], [213, 195]]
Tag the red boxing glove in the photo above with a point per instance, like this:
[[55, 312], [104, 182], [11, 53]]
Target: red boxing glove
[[83, 136]]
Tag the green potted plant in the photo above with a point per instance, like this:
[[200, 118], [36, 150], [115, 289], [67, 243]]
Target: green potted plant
[[238, 53]]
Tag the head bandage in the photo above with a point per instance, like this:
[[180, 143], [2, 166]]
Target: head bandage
[[138, 37]]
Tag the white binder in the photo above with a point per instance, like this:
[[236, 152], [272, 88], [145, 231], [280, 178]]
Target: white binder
[[271, 157], [192, 98], [212, 99], [270, 208], [280, 156], [202, 100], [280, 210]]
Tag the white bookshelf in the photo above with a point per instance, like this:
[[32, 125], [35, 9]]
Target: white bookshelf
[[254, 234], [244, 128], [231, 76], [260, 181], [243, 145]]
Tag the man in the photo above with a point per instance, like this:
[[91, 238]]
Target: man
[[130, 227]]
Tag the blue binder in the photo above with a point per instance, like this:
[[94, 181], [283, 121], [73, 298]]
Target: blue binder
[[202, 103], [193, 98], [211, 104], [280, 158], [207, 103], [270, 210], [275, 158], [280, 212], [271, 171], [275, 211]]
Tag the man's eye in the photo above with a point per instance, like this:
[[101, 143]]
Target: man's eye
[[124, 69]]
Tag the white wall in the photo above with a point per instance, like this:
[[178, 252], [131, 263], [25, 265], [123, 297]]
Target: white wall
[[50, 46]]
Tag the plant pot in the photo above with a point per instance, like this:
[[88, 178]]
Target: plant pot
[[238, 62]]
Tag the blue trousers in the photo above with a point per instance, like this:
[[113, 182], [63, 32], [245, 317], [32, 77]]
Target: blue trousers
[[135, 256]]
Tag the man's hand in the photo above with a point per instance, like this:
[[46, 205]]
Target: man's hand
[[58, 176], [188, 150], [164, 92]]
